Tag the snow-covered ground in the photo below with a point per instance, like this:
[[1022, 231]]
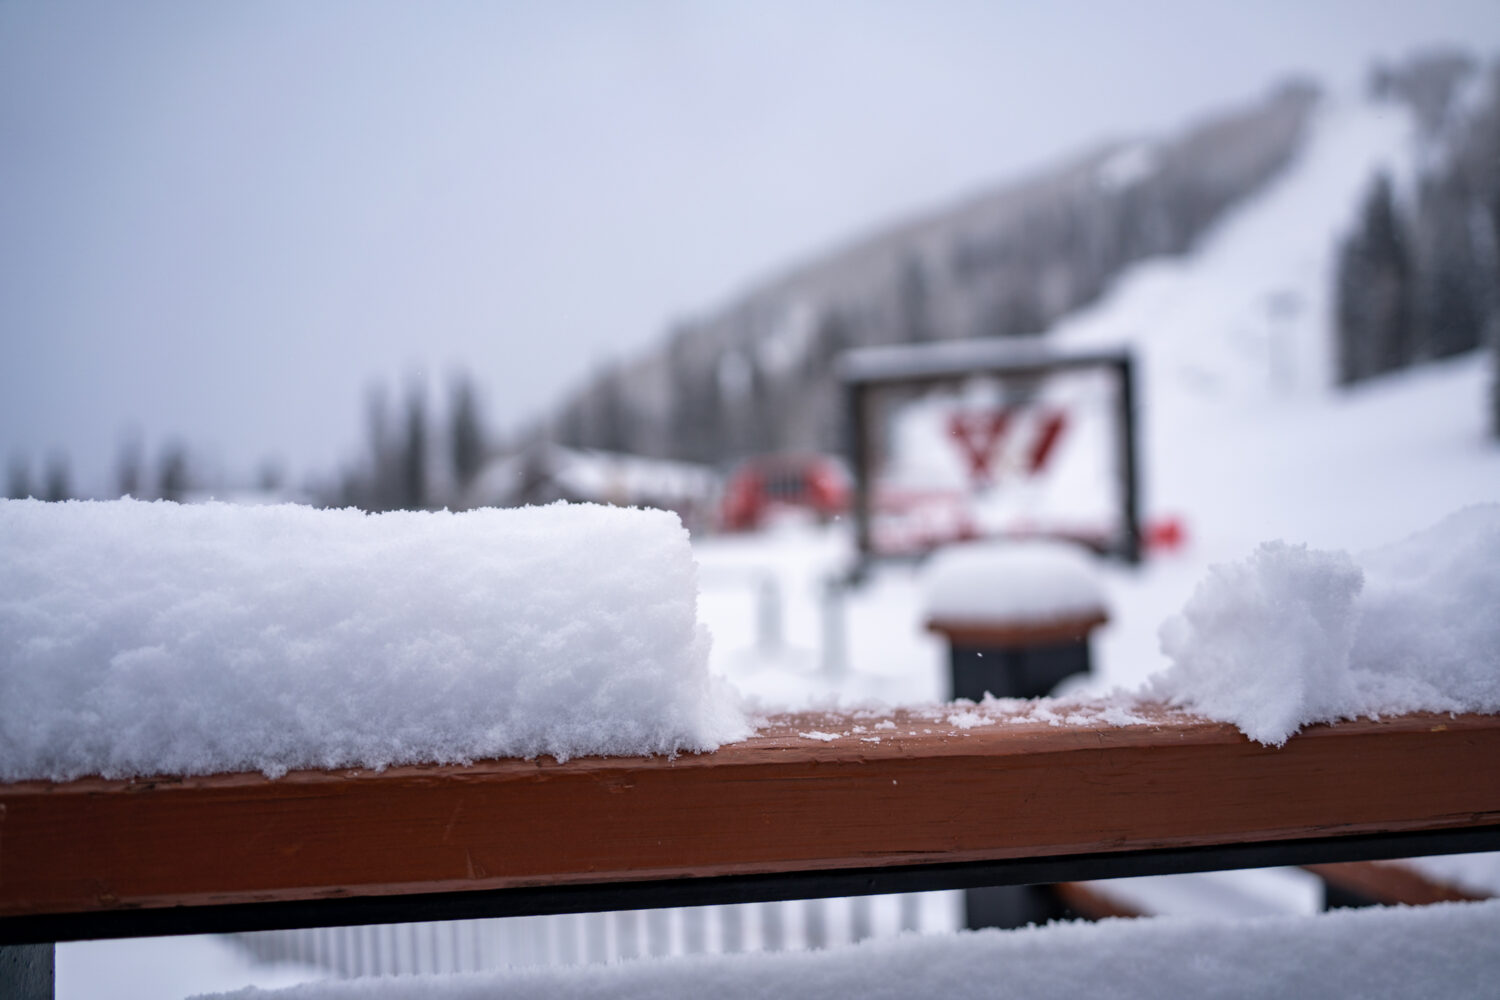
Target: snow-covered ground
[[1444, 950], [168, 968]]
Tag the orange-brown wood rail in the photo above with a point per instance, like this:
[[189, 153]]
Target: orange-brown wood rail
[[1391, 882], [788, 800], [988, 634]]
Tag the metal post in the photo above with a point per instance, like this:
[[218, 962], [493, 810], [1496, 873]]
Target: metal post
[[768, 614], [1130, 474], [856, 407], [28, 971], [835, 654]]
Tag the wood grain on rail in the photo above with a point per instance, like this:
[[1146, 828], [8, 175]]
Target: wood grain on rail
[[810, 792]]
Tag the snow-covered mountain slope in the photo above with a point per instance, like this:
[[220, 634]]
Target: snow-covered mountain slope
[[1243, 434], [755, 374], [1242, 428], [1246, 314]]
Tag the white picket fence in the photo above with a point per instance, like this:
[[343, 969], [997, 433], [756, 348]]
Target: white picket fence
[[577, 939]]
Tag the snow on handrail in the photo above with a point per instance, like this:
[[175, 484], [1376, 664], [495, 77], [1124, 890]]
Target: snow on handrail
[[860, 791]]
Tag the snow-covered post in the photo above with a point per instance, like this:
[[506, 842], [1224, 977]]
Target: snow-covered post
[[1017, 615]]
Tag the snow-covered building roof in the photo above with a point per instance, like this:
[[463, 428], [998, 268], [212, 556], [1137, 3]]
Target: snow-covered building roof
[[548, 472]]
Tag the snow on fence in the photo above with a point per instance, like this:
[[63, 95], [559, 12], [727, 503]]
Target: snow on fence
[[595, 938]]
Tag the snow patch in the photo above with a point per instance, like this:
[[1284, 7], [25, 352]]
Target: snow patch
[[151, 638], [1006, 582], [1128, 166], [1442, 950], [1478, 874], [1293, 636]]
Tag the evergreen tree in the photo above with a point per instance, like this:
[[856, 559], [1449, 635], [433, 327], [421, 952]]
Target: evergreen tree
[[465, 433], [18, 479], [381, 489], [1374, 322], [1495, 381], [613, 421], [414, 452], [913, 303], [173, 480], [697, 398], [129, 471], [58, 487], [1453, 292], [270, 477], [570, 428]]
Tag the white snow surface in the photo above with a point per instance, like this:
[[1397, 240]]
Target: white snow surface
[[1293, 636], [152, 638], [1012, 582], [166, 968], [1236, 893], [1442, 950]]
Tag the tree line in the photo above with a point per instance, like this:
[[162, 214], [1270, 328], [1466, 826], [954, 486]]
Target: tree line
[[1418, 279], [758, 375], [415, 459], [169, 477]]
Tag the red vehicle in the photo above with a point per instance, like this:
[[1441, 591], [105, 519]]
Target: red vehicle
[[762, 488]]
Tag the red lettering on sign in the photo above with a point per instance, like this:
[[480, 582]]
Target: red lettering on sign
[[978, 435]]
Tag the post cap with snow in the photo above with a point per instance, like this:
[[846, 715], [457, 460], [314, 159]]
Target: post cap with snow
[[1013, 592]]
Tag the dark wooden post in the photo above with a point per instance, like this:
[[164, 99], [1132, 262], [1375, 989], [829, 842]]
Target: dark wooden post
[[1024, 660], [1014, 661]]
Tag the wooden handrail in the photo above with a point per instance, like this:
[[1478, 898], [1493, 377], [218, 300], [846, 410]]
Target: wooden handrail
[[810, 792]]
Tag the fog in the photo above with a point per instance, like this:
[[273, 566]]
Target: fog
[[221, 224]]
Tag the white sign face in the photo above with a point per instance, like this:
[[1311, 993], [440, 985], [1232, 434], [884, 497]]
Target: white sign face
[[986, 458]]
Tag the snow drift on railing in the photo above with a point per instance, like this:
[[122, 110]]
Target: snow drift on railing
[[1293, 636], [150, 638]]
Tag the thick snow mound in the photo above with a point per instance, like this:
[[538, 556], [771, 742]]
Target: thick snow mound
[[1447, 949], [150, 638], [1293, 636], [1012, 582], [1265, 643], [1429, 631]]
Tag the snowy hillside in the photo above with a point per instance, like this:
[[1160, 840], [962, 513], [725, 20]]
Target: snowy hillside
[[755, 374], [1244, 437]]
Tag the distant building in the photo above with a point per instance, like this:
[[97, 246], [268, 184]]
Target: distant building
[[546, 473]]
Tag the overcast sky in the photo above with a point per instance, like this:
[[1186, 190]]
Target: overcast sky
[[222, 222]]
